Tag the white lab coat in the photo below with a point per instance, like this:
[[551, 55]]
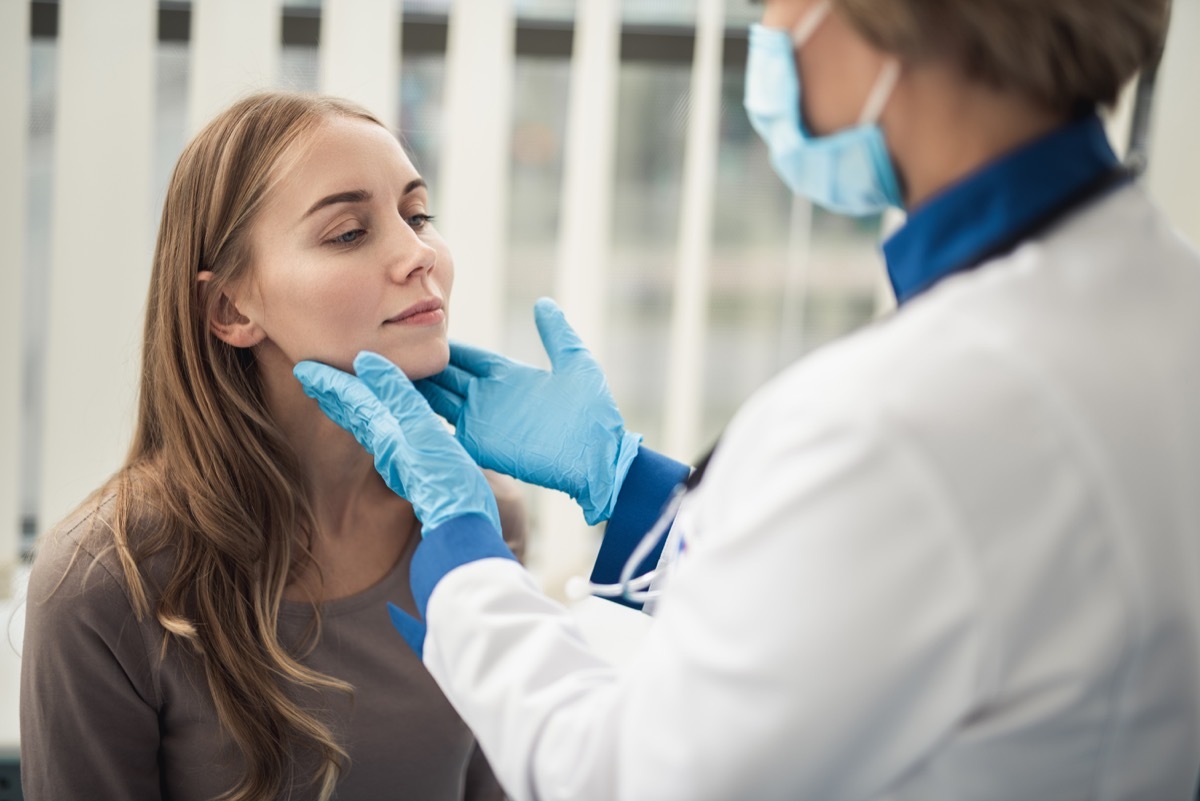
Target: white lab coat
[[954, 557]]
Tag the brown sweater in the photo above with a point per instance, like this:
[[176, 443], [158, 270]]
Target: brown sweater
[[104, 719]]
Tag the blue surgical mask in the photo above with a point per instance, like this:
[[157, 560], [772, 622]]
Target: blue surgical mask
[[848, 172]]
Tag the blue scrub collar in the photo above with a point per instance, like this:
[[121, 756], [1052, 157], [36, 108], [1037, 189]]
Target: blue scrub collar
[[990, 211]]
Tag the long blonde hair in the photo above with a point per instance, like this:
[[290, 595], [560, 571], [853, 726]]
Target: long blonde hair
[[209, 478]]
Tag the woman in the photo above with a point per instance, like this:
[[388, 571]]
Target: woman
[[954, 556], [211, 623]]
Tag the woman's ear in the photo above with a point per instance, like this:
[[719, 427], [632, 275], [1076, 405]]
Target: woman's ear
[[227, 323]]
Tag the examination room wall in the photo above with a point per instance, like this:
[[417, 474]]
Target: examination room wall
[[594, 150]]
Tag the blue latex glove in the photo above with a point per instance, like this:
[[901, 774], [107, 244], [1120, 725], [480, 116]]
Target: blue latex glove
[[558, 429], [418, 458]]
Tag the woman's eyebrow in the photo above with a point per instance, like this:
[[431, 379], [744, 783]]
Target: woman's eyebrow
[[351, 196], [357, 196]]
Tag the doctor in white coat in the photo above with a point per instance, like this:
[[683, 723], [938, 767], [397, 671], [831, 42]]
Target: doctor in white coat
[[954, 556]]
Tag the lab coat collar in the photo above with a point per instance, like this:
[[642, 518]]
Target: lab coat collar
[[991, 210]]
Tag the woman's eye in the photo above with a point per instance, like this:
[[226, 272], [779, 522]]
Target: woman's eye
[[419, 221], [349, 237]]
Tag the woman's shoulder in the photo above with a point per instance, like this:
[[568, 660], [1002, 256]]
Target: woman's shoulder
[[79, 557], [82, 627], [75, 547]]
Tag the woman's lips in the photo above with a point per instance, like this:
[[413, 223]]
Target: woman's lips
[[427, 312]]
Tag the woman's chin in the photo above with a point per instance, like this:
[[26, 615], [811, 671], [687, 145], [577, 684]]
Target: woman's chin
[[418, 363]]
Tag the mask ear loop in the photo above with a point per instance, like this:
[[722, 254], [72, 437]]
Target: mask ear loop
[[885, 84], [806, 27], [881, 93]]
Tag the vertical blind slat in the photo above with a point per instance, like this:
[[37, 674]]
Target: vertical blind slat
[[235, 51], [471, 196], [100, 243], [685, 374], [14, 96], [360, 54], [1174, 171], [588, 169], [581, 285], [795, 278]]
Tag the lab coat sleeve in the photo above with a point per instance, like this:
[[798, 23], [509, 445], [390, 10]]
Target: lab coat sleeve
[[819, 641], [644, 494]]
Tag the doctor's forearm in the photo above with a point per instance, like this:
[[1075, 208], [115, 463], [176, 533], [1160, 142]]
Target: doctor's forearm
[[550, 734]]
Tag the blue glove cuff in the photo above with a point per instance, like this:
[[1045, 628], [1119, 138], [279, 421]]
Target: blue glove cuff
[[627, 451], [411, 629], [649, 483], [457, 542]]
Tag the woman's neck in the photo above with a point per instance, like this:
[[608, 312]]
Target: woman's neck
[[362, 526], [338, 470], [941, 128]]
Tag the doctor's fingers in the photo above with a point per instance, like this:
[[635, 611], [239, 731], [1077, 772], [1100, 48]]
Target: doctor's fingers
[[344, 399], [478, 361], [564, 347], [453, 379], [447, 404], [394, 390]]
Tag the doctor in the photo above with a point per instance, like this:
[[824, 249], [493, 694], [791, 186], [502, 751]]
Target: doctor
[[954, 556]]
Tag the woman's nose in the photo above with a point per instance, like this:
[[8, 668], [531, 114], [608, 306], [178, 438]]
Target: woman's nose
[[409, 253]]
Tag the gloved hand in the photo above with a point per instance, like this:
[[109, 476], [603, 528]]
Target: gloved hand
[[558, 429], [418, 458]]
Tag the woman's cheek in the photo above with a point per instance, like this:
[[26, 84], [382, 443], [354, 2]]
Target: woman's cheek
[[443, 273], [445, 262]]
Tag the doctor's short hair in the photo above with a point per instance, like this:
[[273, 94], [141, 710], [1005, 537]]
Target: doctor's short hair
[[1061, 54]]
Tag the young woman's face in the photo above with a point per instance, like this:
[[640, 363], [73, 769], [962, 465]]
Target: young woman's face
[[346, 258]]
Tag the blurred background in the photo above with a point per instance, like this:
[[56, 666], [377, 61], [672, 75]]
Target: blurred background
[[591, 150]]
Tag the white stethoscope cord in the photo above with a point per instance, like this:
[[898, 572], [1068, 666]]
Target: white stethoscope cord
[[635, 590]]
